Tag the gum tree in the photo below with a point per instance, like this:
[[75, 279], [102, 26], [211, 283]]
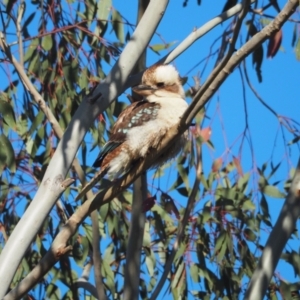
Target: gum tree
[[57, 99]]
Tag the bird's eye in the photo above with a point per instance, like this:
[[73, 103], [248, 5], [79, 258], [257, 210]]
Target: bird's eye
[[160, 84]]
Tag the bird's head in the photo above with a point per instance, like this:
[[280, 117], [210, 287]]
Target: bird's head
[[160, 81]]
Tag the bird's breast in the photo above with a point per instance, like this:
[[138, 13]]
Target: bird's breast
[[171, 110], [148, 136]]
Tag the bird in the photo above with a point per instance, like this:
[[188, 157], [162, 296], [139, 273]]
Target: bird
[[141, 127]]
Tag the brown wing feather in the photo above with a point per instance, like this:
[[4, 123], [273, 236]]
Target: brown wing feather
[[134, 115]]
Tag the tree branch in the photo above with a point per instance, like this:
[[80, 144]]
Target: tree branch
[[21, 11], [284, 227], [138, 218], [83, 282], [135, 240], [191, 39], [222, 64], [206, 28], [97, 256], [203, 96], [182, 225]]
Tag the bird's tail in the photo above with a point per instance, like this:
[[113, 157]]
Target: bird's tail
[[98, 176]]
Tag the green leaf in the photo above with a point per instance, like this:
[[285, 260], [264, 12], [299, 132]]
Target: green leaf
[[258, 54], [127, 38], [274, 169], [204, 182], [147, 236], [118, 27], [150, 262], [203, 272], [295, 33], [103, 211], [297, 50], [8, 114], [294, 140], [220, 241], [265, 219], [103, 11], [194, 271], [178, 273], [9, 5], [36, 122], [183, 191], [34, 64], [177, 182], [156, 48], [83, 79], [221, 253], [248, 205], [264, 206], [108, 274], [7, 155], [205, 215], [183, 172], [89, 232], [29, 19], [53, 292], [249, 235], [160, 47], [243, 182], [31, 49], [273, 191], [229, 4], [252, 223], [180, 251], [285, 291], [47, 42]]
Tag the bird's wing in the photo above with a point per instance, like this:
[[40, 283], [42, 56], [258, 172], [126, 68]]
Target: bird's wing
[[107, 148], [136, 114]]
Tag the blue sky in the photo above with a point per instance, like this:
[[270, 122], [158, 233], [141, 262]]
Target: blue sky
[[226, 113]]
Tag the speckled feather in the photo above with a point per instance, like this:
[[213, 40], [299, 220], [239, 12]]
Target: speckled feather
[[137, 114]]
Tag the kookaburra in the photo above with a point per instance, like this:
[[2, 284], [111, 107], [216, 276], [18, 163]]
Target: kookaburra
[[142, 125]]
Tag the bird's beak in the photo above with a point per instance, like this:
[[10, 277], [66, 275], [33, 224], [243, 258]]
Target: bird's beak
[[143, 90]]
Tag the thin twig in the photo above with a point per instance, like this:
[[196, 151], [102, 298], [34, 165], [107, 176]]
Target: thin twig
[[181, 229], [226, 58], [21, 11], [259, 98]]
